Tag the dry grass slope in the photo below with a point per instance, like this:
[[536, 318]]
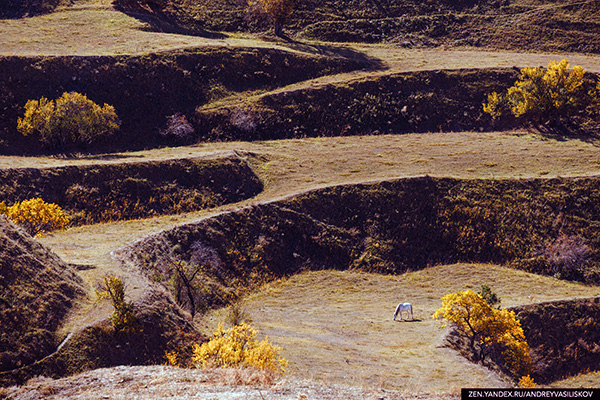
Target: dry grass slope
[[336, 326]]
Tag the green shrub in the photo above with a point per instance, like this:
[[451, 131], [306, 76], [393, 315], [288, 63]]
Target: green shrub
[[489, 295], [72, 121]]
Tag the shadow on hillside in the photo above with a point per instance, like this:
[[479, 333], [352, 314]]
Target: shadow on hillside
[[409, 320], [159, 21], [586, 131], [328, 50]]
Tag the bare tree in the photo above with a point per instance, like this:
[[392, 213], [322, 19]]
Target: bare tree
[[183, 282]]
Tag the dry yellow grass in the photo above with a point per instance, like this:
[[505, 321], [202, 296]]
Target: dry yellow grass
[[337, 327], [159, 382], [591, 380]]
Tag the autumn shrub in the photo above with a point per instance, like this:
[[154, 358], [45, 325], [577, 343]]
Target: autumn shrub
[[72, 121], [566, 255], [545, 97], [238, 346], [178, 128], [527, 382], [123, 317], [487, 330], [172, 359], [35, 215]]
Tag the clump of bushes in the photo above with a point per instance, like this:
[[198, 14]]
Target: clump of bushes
[[546, 98], [566, 255], [236, 347], [35, 215], [489, 295], [72, 121], [278, 10], [178, 128]]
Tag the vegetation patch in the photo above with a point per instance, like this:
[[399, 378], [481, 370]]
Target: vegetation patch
[[427, 101], [26, 8], [542, 25], [109, 192], [37, 290], [147, 91], [563, 336], [162, 329], [388, 227]]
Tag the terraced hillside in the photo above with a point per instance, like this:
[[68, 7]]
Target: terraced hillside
[[305, 155], [508, 24]]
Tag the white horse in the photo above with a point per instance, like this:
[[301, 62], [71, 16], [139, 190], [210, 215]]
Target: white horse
[[404, 307]]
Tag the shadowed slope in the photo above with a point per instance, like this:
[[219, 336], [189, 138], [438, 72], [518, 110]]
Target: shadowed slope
[[37, 290]]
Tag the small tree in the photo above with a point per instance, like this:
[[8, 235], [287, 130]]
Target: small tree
[[71, 121], [489, 295], [123, 317], [544, 96], [35, 215], [487, 329], [278, 10], [183, 283]]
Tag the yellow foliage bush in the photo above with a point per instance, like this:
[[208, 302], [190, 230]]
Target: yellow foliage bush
[[172, 359], [544, 95], [71, 120], [238, 346], [35, 215], [526, 382], [487, 328]]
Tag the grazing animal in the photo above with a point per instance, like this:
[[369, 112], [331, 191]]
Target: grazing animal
[[404, 307]]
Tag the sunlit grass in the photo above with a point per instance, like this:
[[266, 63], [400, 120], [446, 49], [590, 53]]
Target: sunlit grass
[[334, 325]]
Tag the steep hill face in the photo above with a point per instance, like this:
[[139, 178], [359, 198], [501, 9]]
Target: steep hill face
[[388, 227], [540, 25], [105, 192], [24, 8], [147, 91], [563, 336], [425, 101], [37, 290]]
